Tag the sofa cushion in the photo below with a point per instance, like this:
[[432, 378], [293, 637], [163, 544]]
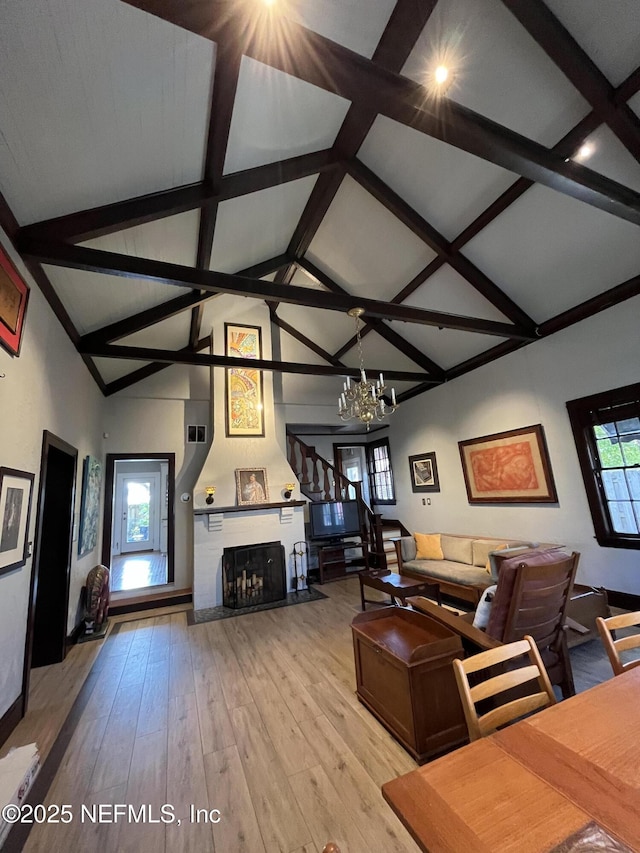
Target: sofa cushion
[[457, 548], [407, 548], [428, 546], [481, 547], [448, 570]]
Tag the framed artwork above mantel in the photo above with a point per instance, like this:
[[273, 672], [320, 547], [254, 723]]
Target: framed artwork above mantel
[[244, 415]]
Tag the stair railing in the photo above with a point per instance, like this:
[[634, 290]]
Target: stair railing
[[311, 469]]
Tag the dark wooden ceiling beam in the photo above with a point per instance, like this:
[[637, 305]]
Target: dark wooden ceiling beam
[[361, 81], [128, 266], [627, 89], [560, 46], [188, 356], [150, 316], [436, 241], [110, 218], [147, 370]]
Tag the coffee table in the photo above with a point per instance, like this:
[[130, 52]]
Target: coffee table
[[397, 586]]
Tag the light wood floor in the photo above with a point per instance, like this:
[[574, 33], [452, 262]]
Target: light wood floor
[[255, 716], [135, 571]]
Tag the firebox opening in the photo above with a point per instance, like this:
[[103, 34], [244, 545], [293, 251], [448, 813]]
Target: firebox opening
[[253, 574]]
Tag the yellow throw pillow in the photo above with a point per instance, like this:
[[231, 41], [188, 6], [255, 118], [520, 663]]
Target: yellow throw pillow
[[497, 548], [428, 546]]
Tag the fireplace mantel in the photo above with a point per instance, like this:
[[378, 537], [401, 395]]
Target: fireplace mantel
[[213, 510]]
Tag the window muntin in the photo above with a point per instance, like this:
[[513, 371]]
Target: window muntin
[[380, 472]]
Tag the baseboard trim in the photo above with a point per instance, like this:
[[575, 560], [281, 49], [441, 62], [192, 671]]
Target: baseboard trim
[[149, 604], [625, 600], [10, 719], [72, 639]]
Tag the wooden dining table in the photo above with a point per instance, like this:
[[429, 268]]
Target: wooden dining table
[[532, 786]]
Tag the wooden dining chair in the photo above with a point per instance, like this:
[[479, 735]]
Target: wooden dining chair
[[612, 646], [506, 680]]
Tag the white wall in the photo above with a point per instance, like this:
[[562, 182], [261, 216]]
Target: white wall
[[46, 387], [527, 387]]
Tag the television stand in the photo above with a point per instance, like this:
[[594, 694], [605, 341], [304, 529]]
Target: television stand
[[333, 562]]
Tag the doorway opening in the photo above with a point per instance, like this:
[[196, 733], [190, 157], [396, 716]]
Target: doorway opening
[[139, 520], [49, 595]]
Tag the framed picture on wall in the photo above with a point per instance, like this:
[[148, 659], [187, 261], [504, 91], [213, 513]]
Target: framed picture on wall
[[14, 295], [424, 473], [90, 506], [508, 467], [244, 414], [15, 508], [251, 486]]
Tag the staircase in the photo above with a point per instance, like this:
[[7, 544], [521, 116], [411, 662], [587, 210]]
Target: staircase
[[321, 481]]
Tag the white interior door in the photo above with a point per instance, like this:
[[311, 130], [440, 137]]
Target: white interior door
[[139, 501]]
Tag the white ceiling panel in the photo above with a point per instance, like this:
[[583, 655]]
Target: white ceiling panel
[[608, 32], [634, 103], [549, 252], [379, 354], [173, 239], [301, 278], [364, 248], [172, 333], [445, 185], [356, 24], [497, 69], [98, 102], [93, 300], [448, 291], [328, 329], [114, 368], [259, 226], [447, 347], [611, 158], [302, 388], [276, 116]]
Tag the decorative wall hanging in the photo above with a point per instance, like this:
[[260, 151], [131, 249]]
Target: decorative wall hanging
[[251, 486], [243, 389], [90, 506], [15, 509], [424, 473], [14, 295], [508, 467]]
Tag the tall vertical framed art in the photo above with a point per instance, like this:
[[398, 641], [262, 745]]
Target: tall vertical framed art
[[14, 295], [244, 414]]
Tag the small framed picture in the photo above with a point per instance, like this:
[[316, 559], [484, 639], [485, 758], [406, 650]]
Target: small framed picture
[[14, 295], [251, 486], [15, 509], [424, 473]]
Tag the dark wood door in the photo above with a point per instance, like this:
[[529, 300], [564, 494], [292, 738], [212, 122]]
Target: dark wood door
[[52, 564]]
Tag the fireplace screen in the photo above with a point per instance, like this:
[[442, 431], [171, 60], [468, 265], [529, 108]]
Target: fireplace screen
[[253, 574]]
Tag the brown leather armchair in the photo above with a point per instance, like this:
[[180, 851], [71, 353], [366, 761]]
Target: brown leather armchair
[[531, 598]]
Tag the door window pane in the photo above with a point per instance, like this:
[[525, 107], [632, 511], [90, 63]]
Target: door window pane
[[138, 497]]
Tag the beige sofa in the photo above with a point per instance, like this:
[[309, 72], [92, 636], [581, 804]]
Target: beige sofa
[[462, 573]]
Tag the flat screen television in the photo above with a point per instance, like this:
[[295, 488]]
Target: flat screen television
[[333, 519]]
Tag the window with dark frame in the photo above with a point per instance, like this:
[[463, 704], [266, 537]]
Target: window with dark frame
[[606, 429], [380, 472]]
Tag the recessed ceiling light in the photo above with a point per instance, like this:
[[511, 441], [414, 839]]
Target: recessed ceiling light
[[584, 152], [441, 74]]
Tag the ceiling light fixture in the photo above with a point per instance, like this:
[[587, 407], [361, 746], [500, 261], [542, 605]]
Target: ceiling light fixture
[[365, 399], [441, 74], [584, 152]]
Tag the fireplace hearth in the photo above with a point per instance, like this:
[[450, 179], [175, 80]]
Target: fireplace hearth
[[253, 574]]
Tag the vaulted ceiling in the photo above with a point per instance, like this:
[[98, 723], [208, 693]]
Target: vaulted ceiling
[[155, 154]]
